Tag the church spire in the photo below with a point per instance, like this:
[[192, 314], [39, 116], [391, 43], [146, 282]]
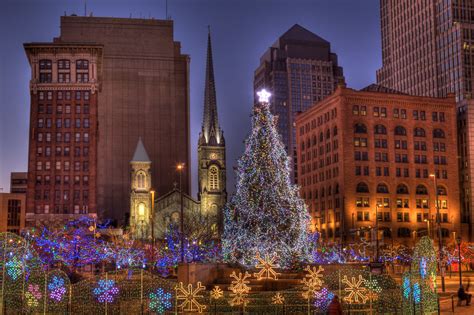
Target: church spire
[[211, 132]]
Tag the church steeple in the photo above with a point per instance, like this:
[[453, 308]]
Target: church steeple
[[211, 132]]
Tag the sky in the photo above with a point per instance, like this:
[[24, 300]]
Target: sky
[[241, 32]]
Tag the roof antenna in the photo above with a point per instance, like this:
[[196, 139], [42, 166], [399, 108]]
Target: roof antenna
[[166, 10], [85, 7]]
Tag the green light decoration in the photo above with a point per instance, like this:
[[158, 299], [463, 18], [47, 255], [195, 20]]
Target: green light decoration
[[266, 214], [419, 288]]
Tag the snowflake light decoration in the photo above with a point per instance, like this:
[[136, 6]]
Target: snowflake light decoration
[[106, 291], [189, 297], [373, 289], [33, 295], [357, 293], [57, 289], [239, 288], [278, 299], [160, 301], [313, 281], [217, 293], [323, 298], [14, 268], [266, 266]]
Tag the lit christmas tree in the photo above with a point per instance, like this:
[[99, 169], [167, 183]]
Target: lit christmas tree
[[266, 215]]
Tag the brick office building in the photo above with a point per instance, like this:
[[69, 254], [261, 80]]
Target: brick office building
[[141, 90], [359, 149], [62, 157]]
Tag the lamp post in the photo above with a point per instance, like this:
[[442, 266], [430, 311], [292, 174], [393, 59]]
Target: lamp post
[[377, 232], [180, 168], [440, 241], [152, 218], [428, 224], [458, 242]]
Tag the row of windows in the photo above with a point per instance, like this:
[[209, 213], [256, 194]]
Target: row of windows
[[399, 172], [322, 136], [48, 123], [60, 180], [319, 121], [397, 113], [63, 77], [62, 151], [83, 209], [401, 189], [398, 131], [63, 64], [64, 95], [66, 138], [364, 202], [48, 109], [401, 217], [64, 195], [62, 165], [399, 158], [400, 144]]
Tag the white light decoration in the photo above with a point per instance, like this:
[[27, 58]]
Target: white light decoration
[[263, 96]]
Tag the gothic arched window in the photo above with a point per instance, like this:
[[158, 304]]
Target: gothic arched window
[[141, 180], [213, 178]]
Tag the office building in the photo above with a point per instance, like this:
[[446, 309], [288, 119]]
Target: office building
[[18, 182]]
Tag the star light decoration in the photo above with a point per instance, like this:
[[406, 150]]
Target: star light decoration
[[312, 282], [189, 297], [14, 268], [239, 288], [160, 301], [106, 291], [266, 266], [278, 299], [33, 295], [217, 293], [263, 96], [357, 293], [57, 289]]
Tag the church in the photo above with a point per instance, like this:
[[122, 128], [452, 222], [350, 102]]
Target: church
[[151, 216]]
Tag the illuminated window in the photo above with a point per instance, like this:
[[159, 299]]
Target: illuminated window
[[213, 178], [141, 209]]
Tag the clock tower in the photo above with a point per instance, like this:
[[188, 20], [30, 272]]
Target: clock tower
[[211, 150]]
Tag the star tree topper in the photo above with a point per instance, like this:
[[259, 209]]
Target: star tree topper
[[263, 96]]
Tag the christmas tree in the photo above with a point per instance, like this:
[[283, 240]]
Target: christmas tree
[[265, 215]]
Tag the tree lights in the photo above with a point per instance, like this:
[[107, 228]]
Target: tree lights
[[266, 215]]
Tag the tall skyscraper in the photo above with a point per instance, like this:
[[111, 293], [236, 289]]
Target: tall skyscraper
[[299, 69], [212, 190], [137, 83], [427, 49]]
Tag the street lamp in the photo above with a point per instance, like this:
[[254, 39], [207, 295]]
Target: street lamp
[[180, 168], [428, 224], [377, 205], [152, 217], [440, 241], [458, 242]]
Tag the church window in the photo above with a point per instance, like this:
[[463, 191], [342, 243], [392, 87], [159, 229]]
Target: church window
[[141, 210], [213, 178], [141, 181]]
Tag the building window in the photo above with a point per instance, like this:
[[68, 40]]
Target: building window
[[382, 189], [400, 131], [419, 132], [14, 212], [360, 128], [82, 64], [362, 188], [380, 130], [213, 177], [421, 190], [402, 189], [438, 133]]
